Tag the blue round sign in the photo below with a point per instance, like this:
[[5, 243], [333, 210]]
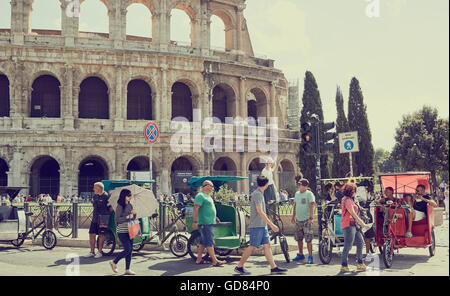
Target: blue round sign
[[348, 145], [151, 132]]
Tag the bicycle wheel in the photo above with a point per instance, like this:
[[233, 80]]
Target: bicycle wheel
[[63, 224], [285, 248], [109, 243], [49, 239], [388, 253], [325, 251], [138, 247], [432, 248], [222, 252], [19, 241], [278, 222], [179, 245], [192, 246]]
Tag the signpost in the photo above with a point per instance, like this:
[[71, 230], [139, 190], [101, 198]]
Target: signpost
[[348, 143], [151, 133]]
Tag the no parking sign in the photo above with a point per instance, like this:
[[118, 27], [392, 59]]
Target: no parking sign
[[151, 132]]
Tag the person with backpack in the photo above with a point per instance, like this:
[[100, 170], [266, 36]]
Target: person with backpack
[[350, 228]]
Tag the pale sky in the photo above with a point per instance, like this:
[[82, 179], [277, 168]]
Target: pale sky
[[401, 58]]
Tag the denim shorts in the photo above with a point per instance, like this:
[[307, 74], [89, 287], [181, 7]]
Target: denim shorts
[[206, 235], [259, 236]]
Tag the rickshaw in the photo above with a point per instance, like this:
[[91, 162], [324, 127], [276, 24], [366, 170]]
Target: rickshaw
[[230, 233], [391, 219], [330, 221], [178, 243], [14, 222]]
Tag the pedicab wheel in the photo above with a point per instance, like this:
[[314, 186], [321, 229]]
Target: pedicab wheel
[[325, 251], [222, 252], [49, 239], [192, 246], [432, 248], [19, 241], [285, 248], [109, 243], [388, 253], [179, 245], [138, 247]]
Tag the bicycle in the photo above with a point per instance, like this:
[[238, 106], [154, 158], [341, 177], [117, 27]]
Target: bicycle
[[63, 221]]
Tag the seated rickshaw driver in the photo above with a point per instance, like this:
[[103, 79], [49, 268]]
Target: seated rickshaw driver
[[418, 203], [389, 193]]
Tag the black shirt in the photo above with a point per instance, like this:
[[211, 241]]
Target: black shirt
[[100, 203], [339, 195], [422, 205]]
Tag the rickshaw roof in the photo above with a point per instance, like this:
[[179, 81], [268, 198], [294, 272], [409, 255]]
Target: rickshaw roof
[[11, 191], [405, 182], [218, 181], [113, 184]]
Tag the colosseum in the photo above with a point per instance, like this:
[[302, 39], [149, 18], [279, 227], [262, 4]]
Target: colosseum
[[74, 104]]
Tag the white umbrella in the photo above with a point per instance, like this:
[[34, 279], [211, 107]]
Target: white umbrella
[[143, 200]]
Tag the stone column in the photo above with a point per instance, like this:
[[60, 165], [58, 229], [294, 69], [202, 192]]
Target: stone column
[[70, 14], [156, 27], [244, 185], [273, 101], [75, 100], [239, 29], [118, 100], [165, 177], [243, 98], [166, 99], [156, 106], [67, 98]]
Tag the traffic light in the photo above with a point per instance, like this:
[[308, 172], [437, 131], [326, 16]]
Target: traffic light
[[306, 137], [327, 136], [315, 138]]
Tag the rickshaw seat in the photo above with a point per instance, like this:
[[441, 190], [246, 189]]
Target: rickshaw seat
[[232, 241], [419, 228]]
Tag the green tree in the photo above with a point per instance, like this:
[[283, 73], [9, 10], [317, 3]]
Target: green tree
[[385, 163], [341, 162], [422, 142], [312, 104], [363, 161]]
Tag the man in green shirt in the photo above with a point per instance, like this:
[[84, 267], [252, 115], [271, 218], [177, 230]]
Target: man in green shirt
[[204, 218], [302, 218]]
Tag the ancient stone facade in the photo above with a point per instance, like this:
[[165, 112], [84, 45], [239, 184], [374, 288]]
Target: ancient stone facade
[[51, 127]]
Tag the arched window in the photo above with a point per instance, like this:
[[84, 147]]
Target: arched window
[[225, 166], [224, 103], [139, 21], [44, 177], [93, 17], [257, 104], [139, 100], [93, 99], [91, 170], [180, 27], [182, 170], [4, 96], [46, 97], [5, 15], [182, 101], [217, 31], [46, 15]]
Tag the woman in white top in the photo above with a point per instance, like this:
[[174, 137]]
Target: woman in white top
[[446, 201]]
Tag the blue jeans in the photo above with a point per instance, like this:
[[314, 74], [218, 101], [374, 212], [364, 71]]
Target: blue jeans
[[127, 252], [259, 236], [207, 235], [351, 236]]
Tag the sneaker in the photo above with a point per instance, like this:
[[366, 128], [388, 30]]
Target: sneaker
[[361, 267], [241, 270], [409, 234], [98, 255], [90, 255], [278, 270], [345, 269], [299, 257], [310, 260]]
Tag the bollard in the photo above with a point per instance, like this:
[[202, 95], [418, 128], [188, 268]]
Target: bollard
[[26, 208], [162, 218], [75, 219], [50, 215]]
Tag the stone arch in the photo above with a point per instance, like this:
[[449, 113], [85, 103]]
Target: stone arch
[[140, 101], [93, 99], [90, 170], [141, 164], [45, 176], [5, 98], [150, 4], [258, 103], [44, 8], [286, 173], [137, 8], [191, 13], [184, 94], [81, 18], [45, 96], [226, 166], [181, 170], [184, 6], [229, 24], [224, 101], [4, 169]]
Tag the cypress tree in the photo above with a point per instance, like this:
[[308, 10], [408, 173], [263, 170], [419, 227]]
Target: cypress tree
[[363, 161], [341, 162], [312, 104]]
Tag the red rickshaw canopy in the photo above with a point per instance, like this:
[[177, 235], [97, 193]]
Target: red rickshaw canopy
[[406, 182]]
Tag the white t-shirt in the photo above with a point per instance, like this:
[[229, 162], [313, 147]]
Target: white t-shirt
[[268, 173], [361, 194]]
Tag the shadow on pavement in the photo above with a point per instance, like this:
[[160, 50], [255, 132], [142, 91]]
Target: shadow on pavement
[[178, 266]]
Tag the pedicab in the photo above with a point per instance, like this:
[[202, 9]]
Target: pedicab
[[145, 209], [14, 225], [392, 220], [330, 219], [230, 232]]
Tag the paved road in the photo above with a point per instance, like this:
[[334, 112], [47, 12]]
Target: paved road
[[35, 260]]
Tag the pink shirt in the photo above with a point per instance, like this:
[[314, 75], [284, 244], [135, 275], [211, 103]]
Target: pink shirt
[[347, 203]]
